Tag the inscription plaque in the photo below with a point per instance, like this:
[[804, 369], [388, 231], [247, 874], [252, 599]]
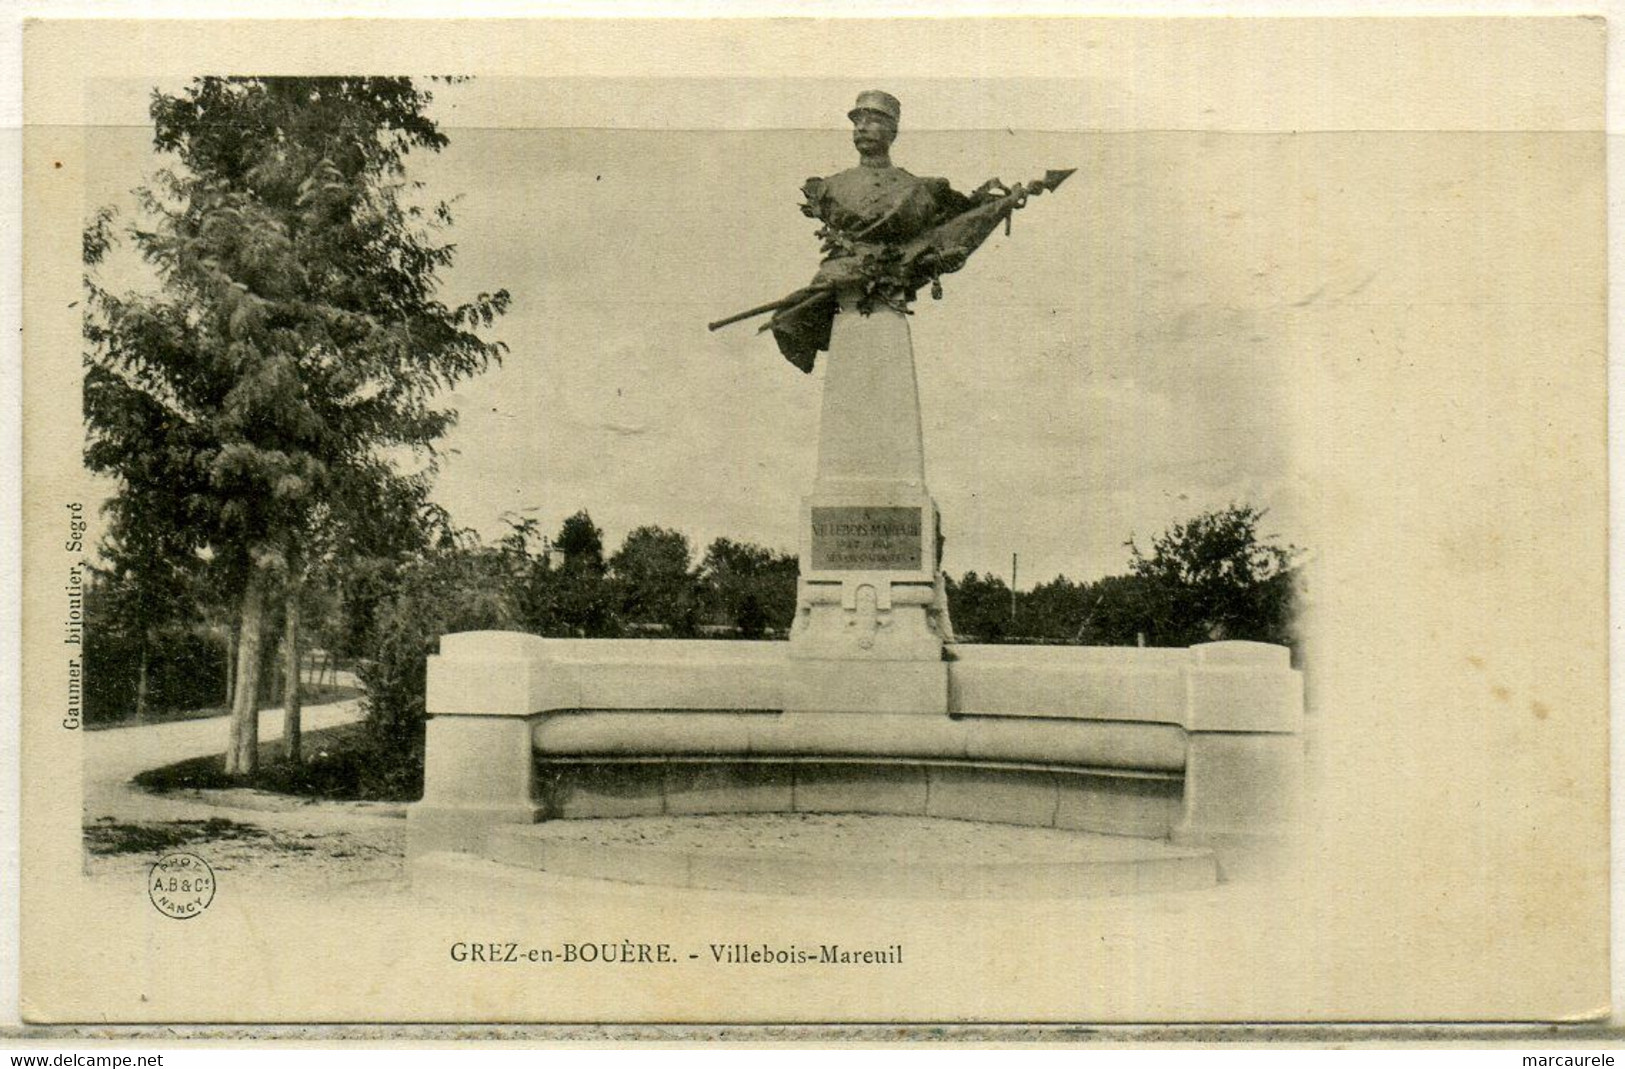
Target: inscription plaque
[[873, 539]]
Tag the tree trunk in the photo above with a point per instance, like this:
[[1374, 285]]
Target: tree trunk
[[291, 696], [242, 753], [273, 677], [141, 676], [231, 666]]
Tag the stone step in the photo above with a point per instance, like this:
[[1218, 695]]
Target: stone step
[[852, 855]]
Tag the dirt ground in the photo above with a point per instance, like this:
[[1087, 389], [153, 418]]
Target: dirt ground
[[286, 845], [317, 854], [881, 840]]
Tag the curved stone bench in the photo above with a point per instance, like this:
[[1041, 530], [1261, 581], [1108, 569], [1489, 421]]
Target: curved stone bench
[[1100, 744], [1199, 745], [1034, 795]]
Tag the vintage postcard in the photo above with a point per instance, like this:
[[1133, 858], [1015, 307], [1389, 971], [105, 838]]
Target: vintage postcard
[[815, 522]]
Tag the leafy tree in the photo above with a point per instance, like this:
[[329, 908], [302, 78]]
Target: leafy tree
[[453, 585], [149, 583], [522, 532], [1217, 577], [1052, 611], [980, 606], [296, 339], [1118, 609], [573, 599], [581, 543], [654, 581], [136, 664], [367, 571], [748, 586]]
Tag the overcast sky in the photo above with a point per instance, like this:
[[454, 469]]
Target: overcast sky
[[1115, 365]]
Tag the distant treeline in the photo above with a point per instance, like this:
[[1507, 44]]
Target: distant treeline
[[1213, 577]]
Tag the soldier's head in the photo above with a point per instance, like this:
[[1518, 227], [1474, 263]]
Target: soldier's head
[[874, 122]]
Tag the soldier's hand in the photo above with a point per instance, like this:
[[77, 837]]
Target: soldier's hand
[[992, 189]]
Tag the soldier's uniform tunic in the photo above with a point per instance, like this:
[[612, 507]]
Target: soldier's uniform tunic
[[871, 212]]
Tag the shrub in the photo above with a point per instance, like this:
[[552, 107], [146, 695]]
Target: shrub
[[444, 591]]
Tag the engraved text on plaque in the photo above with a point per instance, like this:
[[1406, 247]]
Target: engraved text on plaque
[[877, 539]]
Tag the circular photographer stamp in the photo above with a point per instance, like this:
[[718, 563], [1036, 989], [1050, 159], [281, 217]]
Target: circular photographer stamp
[[181, 885]]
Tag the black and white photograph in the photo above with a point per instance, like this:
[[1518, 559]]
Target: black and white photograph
[[815, 523]]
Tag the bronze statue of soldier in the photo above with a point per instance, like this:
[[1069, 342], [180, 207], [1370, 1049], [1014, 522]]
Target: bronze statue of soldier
[[885, 232]]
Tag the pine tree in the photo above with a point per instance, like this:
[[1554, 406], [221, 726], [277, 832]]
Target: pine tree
[[296, 338]]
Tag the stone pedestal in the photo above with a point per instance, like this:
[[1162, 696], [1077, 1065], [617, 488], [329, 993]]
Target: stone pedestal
[[870, 590], [478, 768], [1244, 757], [478, 772]]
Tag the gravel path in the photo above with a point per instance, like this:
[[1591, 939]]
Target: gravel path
[[114, 756]]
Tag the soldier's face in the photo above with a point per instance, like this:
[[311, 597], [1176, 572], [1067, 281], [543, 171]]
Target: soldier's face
[[872, 132]]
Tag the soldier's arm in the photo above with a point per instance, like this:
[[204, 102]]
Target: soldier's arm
[[989, 191], [949, 200], [813, 199]]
